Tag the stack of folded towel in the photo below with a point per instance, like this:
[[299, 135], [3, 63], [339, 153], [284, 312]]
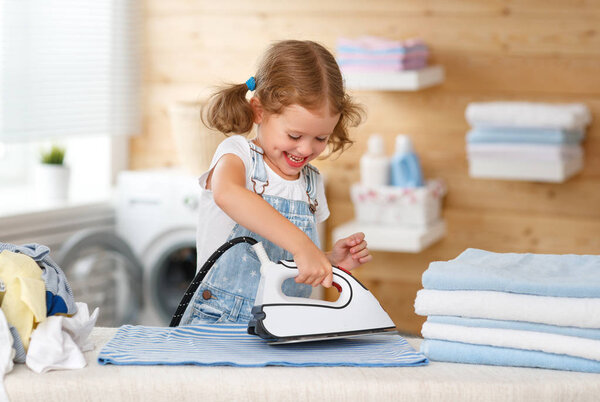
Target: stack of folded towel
[[526, 141], [373, 54], [529, 310]]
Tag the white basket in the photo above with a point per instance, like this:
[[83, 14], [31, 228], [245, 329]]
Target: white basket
[[397, 206], [195, 143]]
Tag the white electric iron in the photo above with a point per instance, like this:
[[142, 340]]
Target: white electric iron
[[283, 319]]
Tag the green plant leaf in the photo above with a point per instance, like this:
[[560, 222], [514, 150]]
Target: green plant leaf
[[54, 156]]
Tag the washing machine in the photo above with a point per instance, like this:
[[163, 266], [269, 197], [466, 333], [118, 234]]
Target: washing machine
[[156, 214]]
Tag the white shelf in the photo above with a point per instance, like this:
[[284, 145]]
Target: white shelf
[[411, 80], [394, 238]]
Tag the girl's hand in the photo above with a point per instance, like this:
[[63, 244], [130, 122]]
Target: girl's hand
[[313, 266], [350, 252]]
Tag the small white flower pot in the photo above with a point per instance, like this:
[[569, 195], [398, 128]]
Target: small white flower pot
[[52, 182]]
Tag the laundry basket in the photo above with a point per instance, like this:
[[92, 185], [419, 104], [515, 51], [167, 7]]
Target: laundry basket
[[195, 143]]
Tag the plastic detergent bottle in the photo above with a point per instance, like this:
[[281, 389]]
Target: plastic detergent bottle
[[374, 165], [405, 170]]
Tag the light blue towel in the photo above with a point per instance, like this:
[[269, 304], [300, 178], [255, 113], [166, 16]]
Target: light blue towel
[[524, 135], [566, 275], [589, 333], [230, 345], [457, 352]]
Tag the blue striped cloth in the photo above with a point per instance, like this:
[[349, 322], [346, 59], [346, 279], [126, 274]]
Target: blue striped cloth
[[230, 345]]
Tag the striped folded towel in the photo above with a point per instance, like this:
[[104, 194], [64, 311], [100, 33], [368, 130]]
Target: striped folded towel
[[230, 345]]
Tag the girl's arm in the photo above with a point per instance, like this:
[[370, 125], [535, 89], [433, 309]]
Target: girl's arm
[[228, 184]]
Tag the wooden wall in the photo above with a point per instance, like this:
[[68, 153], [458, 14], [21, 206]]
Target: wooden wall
[[532, 50]]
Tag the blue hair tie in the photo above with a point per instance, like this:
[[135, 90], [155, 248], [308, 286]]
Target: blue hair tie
[[251, 84]]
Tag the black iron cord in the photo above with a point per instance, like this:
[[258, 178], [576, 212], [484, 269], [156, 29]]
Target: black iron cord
[[189, 293]]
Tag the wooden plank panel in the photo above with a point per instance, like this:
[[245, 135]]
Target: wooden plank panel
[[341, 8], [464, 73], [489, 35], [570, 199], [507, 231]]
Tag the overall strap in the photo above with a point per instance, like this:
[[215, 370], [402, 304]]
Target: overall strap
[[259, 176], [311, 175]]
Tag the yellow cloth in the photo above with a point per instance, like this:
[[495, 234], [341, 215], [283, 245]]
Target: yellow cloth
[[24, 301]]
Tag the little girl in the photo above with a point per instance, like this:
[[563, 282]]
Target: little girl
[[265, 188]]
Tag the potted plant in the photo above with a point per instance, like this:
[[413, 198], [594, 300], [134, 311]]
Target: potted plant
[[52, 175]]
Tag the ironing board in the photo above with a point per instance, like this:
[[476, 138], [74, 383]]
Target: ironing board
[[435, 382]]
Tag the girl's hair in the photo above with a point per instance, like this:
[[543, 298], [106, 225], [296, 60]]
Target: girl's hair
[[291, 72]]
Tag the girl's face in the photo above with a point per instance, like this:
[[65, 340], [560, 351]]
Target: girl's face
[[293, 138]]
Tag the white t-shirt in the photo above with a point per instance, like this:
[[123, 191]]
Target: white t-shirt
[[214, 226]]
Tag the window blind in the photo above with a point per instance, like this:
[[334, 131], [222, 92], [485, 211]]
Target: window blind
[[69, 67]]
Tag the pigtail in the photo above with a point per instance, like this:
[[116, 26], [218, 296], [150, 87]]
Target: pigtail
[[228, 110], [352, 115]]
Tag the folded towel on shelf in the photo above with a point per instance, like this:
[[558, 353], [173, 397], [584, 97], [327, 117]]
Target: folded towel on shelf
[[589, 333], [231, 345], [457, 352], [537, 152], [511, 338], [360, 57], [566, 275], [509, 168], [528, 114], [376, 45], [524, 136], [381, 66], [562, 311]]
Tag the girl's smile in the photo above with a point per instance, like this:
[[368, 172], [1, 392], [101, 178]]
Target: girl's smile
[[294, 137]]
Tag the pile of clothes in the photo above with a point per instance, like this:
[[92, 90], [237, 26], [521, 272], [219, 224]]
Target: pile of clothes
[[526, 141], [40, 322], [373, 54], [512, 309]]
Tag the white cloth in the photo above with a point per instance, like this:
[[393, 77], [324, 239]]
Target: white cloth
[[536, 152], [7, 353], [509, 168], [562, 311], [59, 342], [516, 339], [214, 226], [528, 114]]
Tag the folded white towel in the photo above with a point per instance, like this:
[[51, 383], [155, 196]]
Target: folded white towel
[[516, 339], [563, 311], [528, 114]]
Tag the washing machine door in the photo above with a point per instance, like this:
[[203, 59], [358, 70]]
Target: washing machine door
[[104, 273], [171, 262]]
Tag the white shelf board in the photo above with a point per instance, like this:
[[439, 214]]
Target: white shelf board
[[410, 80], [401, 239]]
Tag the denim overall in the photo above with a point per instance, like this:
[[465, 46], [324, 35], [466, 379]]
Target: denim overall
[[227, 293]]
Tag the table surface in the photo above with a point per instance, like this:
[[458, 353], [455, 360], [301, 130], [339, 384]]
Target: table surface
[[434, 382]]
